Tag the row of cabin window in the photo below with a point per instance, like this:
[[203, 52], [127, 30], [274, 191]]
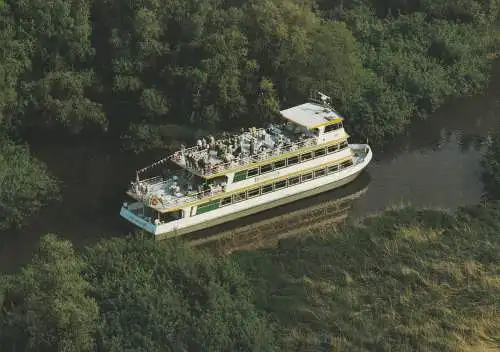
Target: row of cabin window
[[333, 127], [296, 159], [291, 181]]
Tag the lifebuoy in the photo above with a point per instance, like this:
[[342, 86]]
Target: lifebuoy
[[154, 201]]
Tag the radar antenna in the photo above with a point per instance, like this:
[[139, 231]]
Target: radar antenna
[[324, 98]]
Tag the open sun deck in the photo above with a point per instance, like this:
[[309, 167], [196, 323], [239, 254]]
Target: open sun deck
[[213, 157]]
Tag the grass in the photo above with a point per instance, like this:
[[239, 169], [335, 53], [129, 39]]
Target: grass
[[405, 280]]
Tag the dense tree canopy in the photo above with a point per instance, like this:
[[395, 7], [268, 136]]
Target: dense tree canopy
[[157, 297], [139, 67], [45, 307], [25, 185]]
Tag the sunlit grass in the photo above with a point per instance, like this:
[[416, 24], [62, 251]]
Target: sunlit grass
[[405, 280]]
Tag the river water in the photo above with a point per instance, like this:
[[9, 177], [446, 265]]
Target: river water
[[435, 164]]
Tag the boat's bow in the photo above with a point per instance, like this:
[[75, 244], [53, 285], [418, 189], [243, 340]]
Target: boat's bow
[[362, 154]]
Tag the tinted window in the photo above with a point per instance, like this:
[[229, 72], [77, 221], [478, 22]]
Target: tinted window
[[225, 201], [307, 176], [253, 172], [253, 192], [267, 189], [239, 197], [266, 168], [279, 164], [280, 184], [333, 148], [319, 152], [333, 168], [333, 127], [293, 180], [293, 160], [306, 156], [319, 173]]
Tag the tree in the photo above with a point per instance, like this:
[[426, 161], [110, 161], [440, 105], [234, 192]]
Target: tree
[[45, 307], [25, 185], [162, 296], [54, 90]]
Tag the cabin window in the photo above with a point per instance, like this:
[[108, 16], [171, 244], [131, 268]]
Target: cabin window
[[333, 127], [239, 197], [319, 152], [148, 212], [240, 176], [279, 164], [306, 156], [293, 180], [320, 173], [346, 164], [343, 145], [170, 216], [266, 168], [307, 177], [280, 184], [267, 189], [333, 148], [332, 169], [253, 172], [253, 192], [225, 201], [206, 207], [293, 160]]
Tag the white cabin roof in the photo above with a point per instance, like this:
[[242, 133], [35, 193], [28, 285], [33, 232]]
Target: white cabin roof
[[311, 115]]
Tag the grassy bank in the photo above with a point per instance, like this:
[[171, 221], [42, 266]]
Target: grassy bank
[[407, 280]]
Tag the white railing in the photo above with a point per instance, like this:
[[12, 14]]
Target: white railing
[[215, 169], [147, 195]]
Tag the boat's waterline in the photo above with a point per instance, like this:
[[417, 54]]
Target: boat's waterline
[[250, 206]]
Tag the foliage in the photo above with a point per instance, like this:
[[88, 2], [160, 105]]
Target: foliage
[[25, 185], [55, 38], [404, 280], [138, 66], [45, 307], [157, 297]]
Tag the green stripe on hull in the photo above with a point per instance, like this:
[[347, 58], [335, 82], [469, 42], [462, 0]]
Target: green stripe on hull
[[240, 176], [204, 208]]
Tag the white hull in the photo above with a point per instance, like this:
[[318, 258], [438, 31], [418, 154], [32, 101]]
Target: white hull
[[249, 206]]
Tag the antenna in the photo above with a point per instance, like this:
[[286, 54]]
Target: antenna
[[324, 98]]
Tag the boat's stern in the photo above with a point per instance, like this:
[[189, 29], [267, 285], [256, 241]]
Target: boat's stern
[[134, 213]]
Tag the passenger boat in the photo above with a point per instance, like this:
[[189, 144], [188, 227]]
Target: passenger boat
[[235, 175]]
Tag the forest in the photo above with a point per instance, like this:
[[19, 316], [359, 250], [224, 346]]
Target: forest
[[138, 72]]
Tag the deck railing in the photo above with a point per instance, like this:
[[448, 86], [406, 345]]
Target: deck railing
[[185, 197], [210, 170]]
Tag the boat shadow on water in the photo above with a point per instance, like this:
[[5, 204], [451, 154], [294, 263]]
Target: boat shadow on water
[[305, 217]]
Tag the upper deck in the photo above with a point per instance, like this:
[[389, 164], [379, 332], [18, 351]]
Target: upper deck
[[303, 127]]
